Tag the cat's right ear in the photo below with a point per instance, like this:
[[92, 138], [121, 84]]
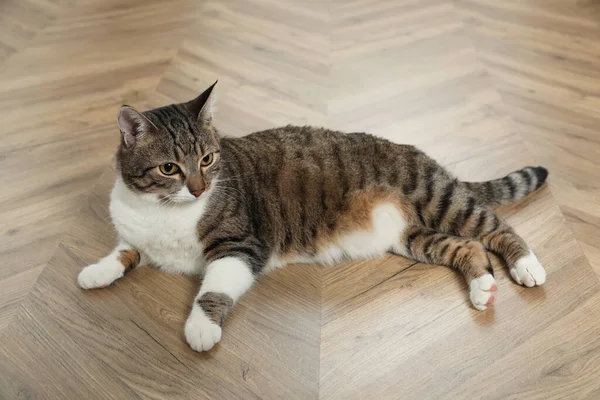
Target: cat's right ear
[[132, 125]]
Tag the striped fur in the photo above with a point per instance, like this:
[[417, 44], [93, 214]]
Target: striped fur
[[509, 189]]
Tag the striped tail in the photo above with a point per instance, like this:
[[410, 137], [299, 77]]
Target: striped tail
[[511, 188]]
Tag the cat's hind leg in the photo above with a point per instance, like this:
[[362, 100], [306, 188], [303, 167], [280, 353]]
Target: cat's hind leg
[[524, 266], [499, 237], [456, 211], [466, 255]]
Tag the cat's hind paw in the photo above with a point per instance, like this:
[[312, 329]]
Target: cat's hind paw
[[200, 332], [483, 290], [100, 275], [528, 271]]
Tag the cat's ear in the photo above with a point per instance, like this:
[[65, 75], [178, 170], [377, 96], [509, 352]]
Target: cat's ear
[[203, 105], [132, 124]]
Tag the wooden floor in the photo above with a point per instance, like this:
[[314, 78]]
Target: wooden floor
[[485, 86]]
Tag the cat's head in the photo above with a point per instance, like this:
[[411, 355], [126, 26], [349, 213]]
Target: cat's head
[[169, 154]]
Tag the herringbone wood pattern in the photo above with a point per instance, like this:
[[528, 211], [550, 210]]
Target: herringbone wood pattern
[[484, 86]]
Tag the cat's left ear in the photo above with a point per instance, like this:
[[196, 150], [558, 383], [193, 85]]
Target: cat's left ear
[[202, 106]]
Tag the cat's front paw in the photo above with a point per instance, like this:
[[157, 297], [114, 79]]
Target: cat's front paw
[[100, 275], [200, 332], [528, 271], [483, 291]]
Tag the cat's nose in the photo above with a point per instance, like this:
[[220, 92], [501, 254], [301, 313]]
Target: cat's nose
[[196, 186], [197, 193]]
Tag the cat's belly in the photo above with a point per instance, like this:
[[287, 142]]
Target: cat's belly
[[387, 225], [165, 237]]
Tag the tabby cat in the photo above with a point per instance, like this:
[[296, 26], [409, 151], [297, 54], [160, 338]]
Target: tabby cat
[[188, 200]]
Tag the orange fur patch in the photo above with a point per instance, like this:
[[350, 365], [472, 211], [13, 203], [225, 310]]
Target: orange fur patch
[[359, 211], [361, 205], [129, 258], [356, 217]]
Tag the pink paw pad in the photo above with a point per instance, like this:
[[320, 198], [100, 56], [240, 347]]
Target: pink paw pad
[[483, 290]]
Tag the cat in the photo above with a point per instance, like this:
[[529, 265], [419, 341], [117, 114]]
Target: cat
[[188, 200]]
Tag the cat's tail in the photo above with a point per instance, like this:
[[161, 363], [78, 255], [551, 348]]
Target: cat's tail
[[511, 188]]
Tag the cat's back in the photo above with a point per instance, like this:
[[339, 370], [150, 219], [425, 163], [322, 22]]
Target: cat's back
[[292, 160], [306, 144]]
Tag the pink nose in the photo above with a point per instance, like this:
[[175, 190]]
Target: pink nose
[[197, 193]]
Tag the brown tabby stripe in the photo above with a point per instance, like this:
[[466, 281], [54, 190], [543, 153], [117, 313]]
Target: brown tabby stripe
[[411, 182], [495, 223], [443, 205], [436, 240], [422, 205], [480, 223], [461, 217], [216, 306]]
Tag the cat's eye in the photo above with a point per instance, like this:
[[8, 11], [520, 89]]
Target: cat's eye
[[169, 169], [207, 160]]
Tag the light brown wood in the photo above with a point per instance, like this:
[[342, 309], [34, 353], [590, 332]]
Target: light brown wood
[[483, 86]]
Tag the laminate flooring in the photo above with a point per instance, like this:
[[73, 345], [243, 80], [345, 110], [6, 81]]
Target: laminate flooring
[[483, 86]]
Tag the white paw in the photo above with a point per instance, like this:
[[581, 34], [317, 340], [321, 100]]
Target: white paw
[[100, 275], [483, 291], [200, 332], [528, 271]]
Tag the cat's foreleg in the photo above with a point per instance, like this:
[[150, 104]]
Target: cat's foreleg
[[112, 267], [225, 281]]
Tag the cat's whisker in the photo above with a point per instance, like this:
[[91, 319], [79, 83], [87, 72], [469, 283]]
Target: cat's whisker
[[169, 203]]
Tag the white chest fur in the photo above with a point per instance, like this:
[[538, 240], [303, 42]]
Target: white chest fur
[[165, 235]]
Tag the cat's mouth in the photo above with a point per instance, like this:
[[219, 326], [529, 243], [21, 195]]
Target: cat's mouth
[[184, 196]]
